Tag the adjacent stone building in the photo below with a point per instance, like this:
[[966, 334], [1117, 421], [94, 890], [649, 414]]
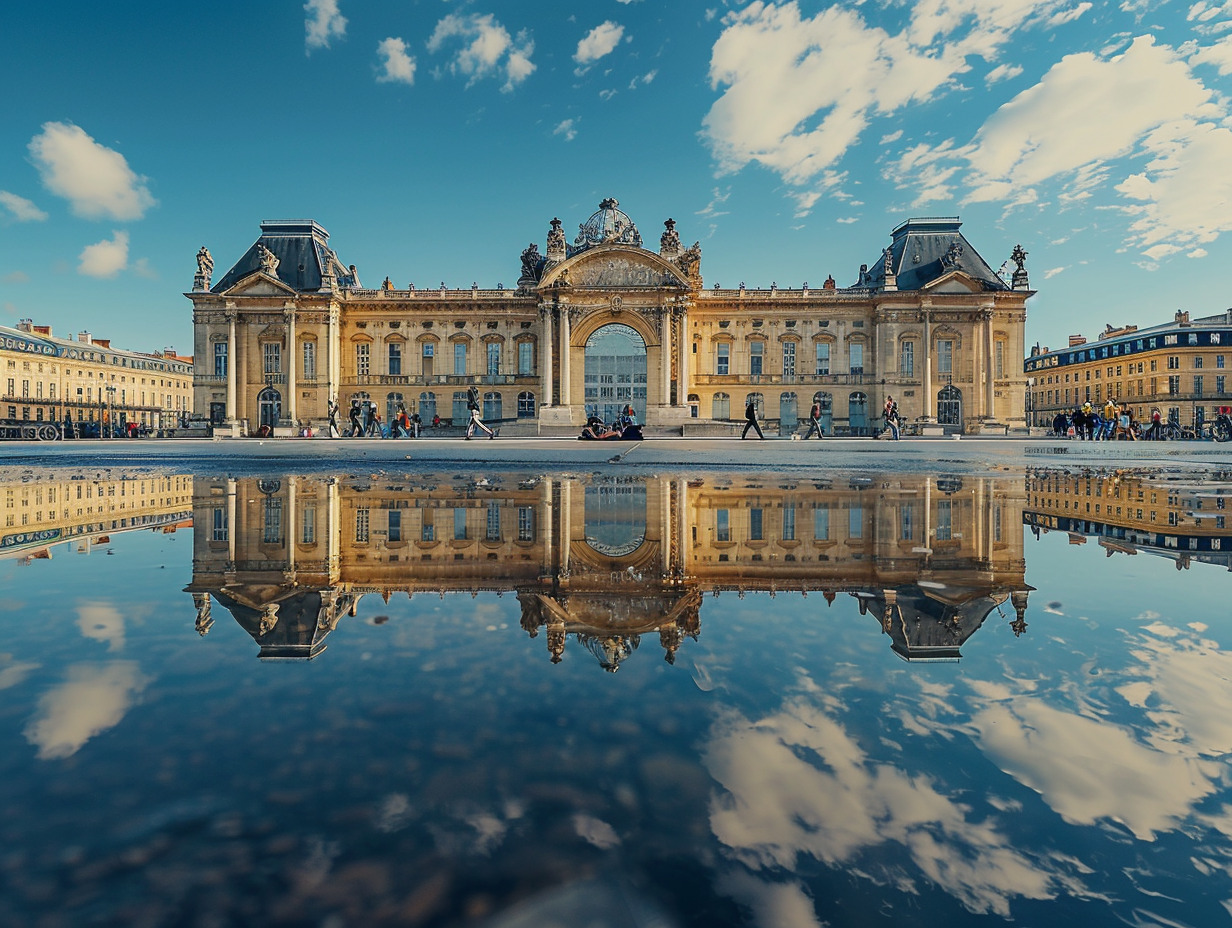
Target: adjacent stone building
[[602, 322]]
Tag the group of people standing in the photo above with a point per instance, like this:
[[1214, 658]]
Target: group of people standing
[[889, 414], [1114, 420], [364, 420]]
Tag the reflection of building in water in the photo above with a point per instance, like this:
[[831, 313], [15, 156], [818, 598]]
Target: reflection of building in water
[[46, 512], [1128, 513], [609, 560]]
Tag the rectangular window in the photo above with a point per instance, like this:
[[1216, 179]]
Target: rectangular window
[[722, 360], [310, 361], [429, 349], [361, 526], [722, 525], [220, 524], [789, 359], [756, 529], [220, 360], [493, 532], [394, 525], [789, 523], [999, 359], [363, 359], [756, 350], [1174, 386], [1174, 362], [945, 356], [821, 524], [493, 358], [945, 520], [526, 523], [1197, 385], [1197, 361], [271, 353], [823, 358], [459, 525], [427, 531], [855, 522], [459, 359], [906, 527], [1219, 385], [308, 526], [906, 359], [272, 523], [526, 358], [856, 352], [1219, 361], [395, 358]]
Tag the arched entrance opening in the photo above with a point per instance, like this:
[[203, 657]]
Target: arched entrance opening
[[615, 373], [615, 518], [857, 413], [269, 406], [789, 413], [949, 405]]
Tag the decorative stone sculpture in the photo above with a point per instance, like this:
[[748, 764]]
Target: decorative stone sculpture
[[556, 243], [269, 261], [669, 241], [532, 262], [690, 261], [205, 269], [830, 283], [1019, 280], [952, 255]]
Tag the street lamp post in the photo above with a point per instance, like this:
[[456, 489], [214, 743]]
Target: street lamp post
[[108, 408]]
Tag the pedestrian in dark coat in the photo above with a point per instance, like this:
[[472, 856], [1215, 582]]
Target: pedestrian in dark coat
[[750, 421]]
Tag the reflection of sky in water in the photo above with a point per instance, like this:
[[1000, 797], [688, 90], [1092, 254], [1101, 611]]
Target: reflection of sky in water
[[789, 770]]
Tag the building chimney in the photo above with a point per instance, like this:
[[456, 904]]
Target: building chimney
[[1076, 340], [84, 338], [24, 325]]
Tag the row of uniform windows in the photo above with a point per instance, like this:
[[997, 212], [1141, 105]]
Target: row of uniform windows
[[855, 358], [428, 525], [1199, 385], [271, 354], [908, 523], [427, 407], [1136, 367], [1133, 346]]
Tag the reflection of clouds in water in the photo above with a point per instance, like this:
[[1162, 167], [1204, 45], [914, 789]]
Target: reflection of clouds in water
[[101, 622], [1088, 768], [394, 813], [92, 699], [482, 833], [783, 905], [15, 674], [595, 831], [796, 783]]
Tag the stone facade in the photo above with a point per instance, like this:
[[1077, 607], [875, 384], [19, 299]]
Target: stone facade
[[290, 328]]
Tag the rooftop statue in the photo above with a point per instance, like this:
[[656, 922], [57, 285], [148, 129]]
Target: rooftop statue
[[531, 262], [952, 255], [205, 269], [269, 260]]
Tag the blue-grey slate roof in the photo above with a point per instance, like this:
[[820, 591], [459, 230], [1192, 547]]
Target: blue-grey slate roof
[[917, 248], [303, 252]]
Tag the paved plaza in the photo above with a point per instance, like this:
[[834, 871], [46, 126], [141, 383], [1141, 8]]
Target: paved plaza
[[965, 455]]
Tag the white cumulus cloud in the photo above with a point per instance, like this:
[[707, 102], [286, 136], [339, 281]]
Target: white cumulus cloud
[[1002, 72], [566, 128], [322, 24], [600, 41], [95, 179], [23, 210], [91, 700], [396, 65], [106, 258], [487, 48]]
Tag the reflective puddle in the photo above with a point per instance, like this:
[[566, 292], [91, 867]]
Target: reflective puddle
[[526, 699]]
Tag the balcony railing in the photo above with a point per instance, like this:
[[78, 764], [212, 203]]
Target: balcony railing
[[703, 380], [439, 380]]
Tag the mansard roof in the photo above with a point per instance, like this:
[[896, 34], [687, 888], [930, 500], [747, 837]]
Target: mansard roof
[[923, 250], [304, 257]]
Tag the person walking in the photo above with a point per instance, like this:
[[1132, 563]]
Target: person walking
[[472, 404], [814, 422], [416, 422], [750, 422], [357, 427], [332, 408]]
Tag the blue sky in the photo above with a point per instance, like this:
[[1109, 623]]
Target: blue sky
[[435, 140]]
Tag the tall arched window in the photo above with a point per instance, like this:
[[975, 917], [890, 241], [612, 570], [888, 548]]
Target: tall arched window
[[427, 407], [759, 403], [857, 413], [492, 406], [826, 402], [720, 407], [460, 413], [789, 412]]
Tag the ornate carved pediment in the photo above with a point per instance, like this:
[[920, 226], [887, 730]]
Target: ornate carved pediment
[[616, 267], [259, 284], [954, 282]]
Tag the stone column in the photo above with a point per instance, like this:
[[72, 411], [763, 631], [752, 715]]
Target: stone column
[[682, 362], [545, 519], [232, 528], [990, 360], [289, 408], [684, 543], [566, 524], [232, 360], [928, 369], [566, 387], [290, 536], [332, 355], [545, 351], [665, 526], [665, 356]]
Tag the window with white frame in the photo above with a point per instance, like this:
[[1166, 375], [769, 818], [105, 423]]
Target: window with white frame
[[906, 359], [309, 356], [855, 353], [945, 356], [494, 353], [756, 357], [271, 352], [363, 359], [789, 359], [823, 358], [459, 359]]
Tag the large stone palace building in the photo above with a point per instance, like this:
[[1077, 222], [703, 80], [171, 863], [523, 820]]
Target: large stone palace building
[[602, 322], [51, 381], [1177, 369]]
